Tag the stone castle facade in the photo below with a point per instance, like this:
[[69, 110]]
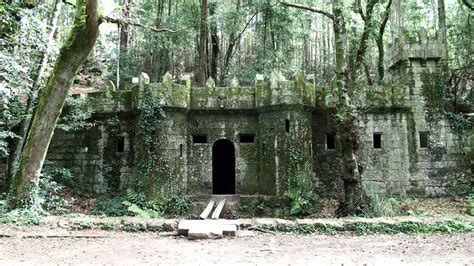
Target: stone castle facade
[[239, 140]]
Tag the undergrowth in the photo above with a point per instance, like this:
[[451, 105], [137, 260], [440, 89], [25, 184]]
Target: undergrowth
[[48, 199], [364, 228], [136, 204], [470, 205]]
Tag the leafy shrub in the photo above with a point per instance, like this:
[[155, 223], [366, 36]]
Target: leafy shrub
[[111, 206], [177, 205], [381, 206], [302, 201], [50, 197], [470, 205], [75, 115]]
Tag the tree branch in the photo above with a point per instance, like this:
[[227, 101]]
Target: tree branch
[[363, 44], [468, 5], [69, 3], [327, 14], [360, 10], [134, 23]]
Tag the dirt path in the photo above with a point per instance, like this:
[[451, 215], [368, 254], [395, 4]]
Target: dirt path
[[139, 248]]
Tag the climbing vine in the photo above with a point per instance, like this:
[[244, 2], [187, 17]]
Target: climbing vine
[[156, 173], [441, 101], [149, 113], [300, 183]]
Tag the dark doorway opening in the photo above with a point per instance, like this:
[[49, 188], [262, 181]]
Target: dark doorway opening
[[223, 167]]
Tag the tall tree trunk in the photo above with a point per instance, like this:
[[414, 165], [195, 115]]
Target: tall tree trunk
[[74, 52], [124, 29], [201, 67], [379, 41], [442, 28], [214, 44], [346, 116], [40, 71]]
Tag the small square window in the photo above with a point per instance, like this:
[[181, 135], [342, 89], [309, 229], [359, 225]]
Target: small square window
[[120, 144], [424, 139], [247, 138], [199, 138], [331, 141], [377, 140]]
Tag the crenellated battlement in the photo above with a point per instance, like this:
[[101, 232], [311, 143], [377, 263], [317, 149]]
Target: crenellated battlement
[[425, 47], [274, 92]]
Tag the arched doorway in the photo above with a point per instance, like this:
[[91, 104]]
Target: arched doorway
[[223, 167]]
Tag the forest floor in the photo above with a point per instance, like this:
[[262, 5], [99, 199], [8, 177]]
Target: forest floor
[[114, 247]]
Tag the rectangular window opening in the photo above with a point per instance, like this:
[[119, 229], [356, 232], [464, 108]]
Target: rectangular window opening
[[247, 138], [424, 139], [180, 150], [287, 126], [331, 141], [377, 140], [199, 138], [120, 144]]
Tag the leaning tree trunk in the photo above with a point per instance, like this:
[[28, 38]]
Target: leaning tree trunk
[[77, 47], [40, 71]]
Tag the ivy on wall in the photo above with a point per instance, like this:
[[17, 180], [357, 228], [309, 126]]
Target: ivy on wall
[[300, 180], [156, 171]]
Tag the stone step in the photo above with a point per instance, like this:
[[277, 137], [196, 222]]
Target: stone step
[[207, 228], [207, 210], [218, 210]]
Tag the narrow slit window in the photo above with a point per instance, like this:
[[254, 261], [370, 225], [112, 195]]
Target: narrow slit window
[[120, 144], [287, 126], [247, 138], [263, 149], [180, 150], [199, 138], [377, 140], [331, 141], [424, 139]]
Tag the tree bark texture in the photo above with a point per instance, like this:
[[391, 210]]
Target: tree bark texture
[[74, 52], [214, 44], [40, 71], [201, 67], [124, 29], [379, 41]]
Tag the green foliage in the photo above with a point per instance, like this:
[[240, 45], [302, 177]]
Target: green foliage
[[4, 137], [111, 206], [367, 228], [441, 100], [146, 155], [470, 205], [112, 125], [176, 205], [300, 185], [22, 40], [380, 206], [138, 211], [138, 205], [76, 115], [47, 199]]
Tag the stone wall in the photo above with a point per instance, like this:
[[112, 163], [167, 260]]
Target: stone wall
[[94, 157], [216, 127]]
